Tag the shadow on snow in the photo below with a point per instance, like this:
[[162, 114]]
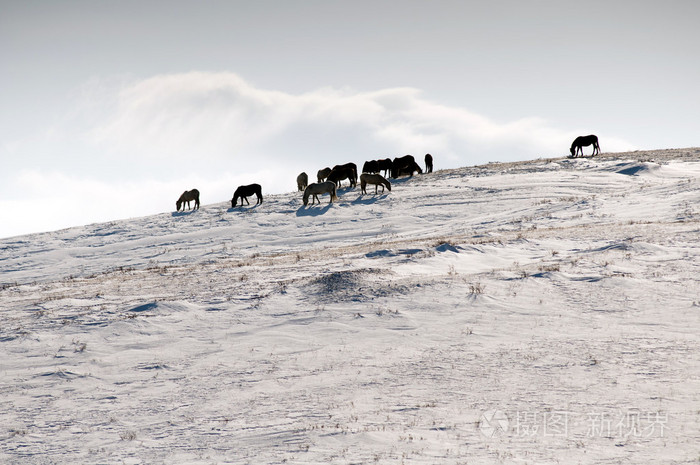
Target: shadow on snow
[[313, 210]]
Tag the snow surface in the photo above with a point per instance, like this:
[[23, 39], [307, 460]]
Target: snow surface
[[534, 312]]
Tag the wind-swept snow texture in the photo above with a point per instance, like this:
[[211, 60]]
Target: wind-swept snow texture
[[529, 313]]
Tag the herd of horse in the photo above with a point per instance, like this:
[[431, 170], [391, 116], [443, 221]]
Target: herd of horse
[[328, 179]]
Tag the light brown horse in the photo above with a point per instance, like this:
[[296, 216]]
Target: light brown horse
[[186, 197], [376, 179], [313, 190]]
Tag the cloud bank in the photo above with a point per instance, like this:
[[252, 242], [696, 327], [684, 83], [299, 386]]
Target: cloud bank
[[219, 116], [129, 149]]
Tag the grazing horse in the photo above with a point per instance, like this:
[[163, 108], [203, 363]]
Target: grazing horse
[[385, 165], [244, 191], [186, 197], [410, 169], [584, 141], [302, 181], [400, 163], [340, 172], [323, 174], [371, 166], [428, 163], [327, 187], [350, 167], [376, 179]]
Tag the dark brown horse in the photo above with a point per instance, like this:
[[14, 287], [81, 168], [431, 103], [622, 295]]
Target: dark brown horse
[[428, 163], [400, 163], [584, 141], [347, 171], [409, 169], [323, 174], [186, 197], [302, 181], [353, 168], [385, 165], [244, 192], [371, 166]]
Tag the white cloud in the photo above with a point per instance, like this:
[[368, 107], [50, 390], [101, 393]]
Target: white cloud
[[213, 117]]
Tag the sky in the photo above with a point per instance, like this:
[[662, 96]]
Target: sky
[[109, 110]]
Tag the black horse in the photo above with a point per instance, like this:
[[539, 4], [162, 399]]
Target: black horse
[[584, 141], [428, 163], [350, 167], [186, 197], [244, 192], [323, 174], [409, 169], [371, 166], [400, 163], [340, 172], [385, 165]]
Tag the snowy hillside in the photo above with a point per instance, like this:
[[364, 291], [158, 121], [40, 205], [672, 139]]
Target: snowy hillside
[[536, 312]]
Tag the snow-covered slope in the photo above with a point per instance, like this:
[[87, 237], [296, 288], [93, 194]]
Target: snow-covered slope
[[537, 312]]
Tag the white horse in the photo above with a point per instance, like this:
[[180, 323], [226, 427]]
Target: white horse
[[326, 187], [376, 179]]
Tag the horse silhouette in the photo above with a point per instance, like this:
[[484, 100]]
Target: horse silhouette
[[347, 171], [186, 197], [385, 164], [428, 163], [314, 190], [302, 181], [400, 163], [323, 174], [371, 166], [243, 192], [409, 169], [584, 141]]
